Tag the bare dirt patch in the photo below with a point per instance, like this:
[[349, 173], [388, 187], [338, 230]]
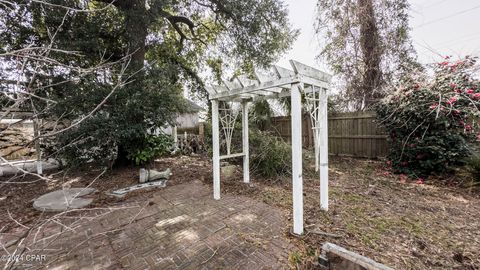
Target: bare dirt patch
[[372, 212]]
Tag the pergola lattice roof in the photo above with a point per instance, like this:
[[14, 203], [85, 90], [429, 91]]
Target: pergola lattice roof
[[275, 85]]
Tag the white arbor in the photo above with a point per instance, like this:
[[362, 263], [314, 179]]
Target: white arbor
[[282, 82]]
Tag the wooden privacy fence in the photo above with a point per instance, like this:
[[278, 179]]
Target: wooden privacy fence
[[355, 134]]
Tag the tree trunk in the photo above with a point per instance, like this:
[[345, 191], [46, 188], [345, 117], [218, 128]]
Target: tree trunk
[[136, 23], [371, 53], [136, 33]]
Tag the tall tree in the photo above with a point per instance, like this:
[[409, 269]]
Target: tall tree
[[366, 43], [117, 69]]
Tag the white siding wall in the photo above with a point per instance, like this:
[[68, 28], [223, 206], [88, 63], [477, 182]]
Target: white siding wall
[[187, 120]]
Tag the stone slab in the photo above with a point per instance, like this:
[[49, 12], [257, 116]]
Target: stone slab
[[123, 191], [65, 199]]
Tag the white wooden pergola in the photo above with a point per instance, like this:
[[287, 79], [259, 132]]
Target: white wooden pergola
[[282, 82]]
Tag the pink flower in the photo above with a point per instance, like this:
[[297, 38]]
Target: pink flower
[[458, 91], [433, 106], [469, 91], [445, 63], [420, 181], [453, 85], [476, 95], [452, 100], [468, 127]]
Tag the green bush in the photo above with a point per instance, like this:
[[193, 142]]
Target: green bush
[[152, 147], [473, 167], [114, 131], [430, 121], [269, 155]]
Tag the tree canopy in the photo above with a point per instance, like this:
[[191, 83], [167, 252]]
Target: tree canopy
[[366, 44], [110, 71]]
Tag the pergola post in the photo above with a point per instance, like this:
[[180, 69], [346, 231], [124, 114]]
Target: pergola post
[[216, 150], [246, 160], [297, 179], [323, 148], [315, 148], [175, 137]]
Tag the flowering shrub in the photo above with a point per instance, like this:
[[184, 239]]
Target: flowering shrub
[[431, 121]]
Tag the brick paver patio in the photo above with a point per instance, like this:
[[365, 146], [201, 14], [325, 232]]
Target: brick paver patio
[[179, 227]]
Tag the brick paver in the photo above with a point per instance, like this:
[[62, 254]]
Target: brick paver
[[179, 227]]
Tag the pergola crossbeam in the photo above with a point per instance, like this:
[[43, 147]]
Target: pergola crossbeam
[[313, 82], [245, 82], [308, 71], [283, 72], [220, 89], [230, 85], [253, 88], [232, 155], [210, 90], [274, 86], [263, 78]]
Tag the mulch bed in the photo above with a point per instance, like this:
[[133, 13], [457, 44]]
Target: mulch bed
[[404, 225]]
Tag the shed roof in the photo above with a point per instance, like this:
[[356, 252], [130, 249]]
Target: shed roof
[[192, 107]]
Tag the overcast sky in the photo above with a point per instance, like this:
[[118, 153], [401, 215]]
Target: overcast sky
[[446, 27]]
